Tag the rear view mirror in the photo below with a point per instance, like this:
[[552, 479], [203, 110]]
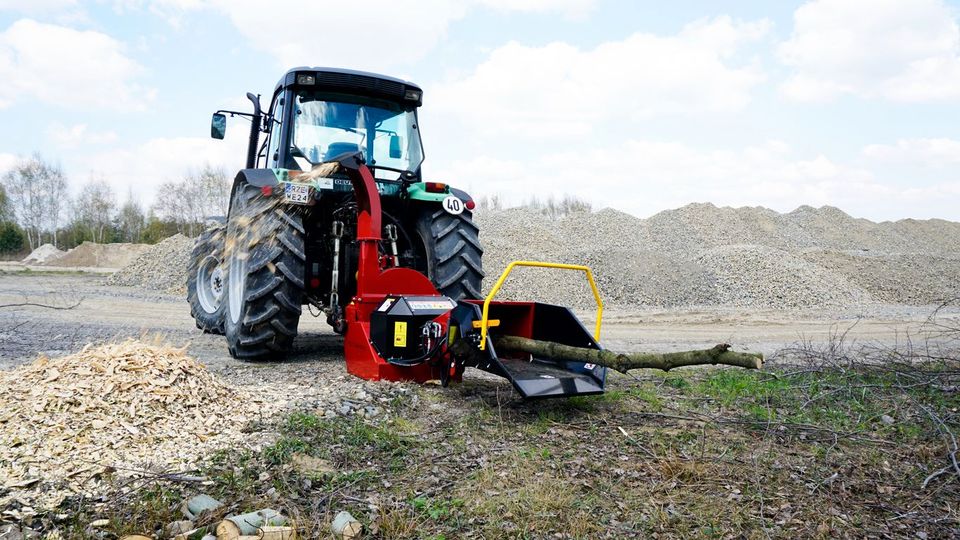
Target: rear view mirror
[[218, 126], [395, 147]]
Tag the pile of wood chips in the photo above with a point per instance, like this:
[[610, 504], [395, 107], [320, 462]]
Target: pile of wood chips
[[124, 408]]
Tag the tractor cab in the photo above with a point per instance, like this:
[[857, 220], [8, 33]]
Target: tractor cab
[[316, 114]]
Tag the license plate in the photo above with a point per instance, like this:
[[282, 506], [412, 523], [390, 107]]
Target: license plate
[[297, 193]]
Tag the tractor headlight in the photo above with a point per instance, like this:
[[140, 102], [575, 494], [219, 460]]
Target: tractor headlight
[[306, 78], [412, 95]]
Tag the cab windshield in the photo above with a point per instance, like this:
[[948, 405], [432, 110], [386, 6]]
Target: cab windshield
[[326, 125]]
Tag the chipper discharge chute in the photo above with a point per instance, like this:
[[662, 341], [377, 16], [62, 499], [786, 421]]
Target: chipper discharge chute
[[399, 327]]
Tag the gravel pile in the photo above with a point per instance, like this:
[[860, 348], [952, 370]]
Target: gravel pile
[[761, 276], [696, 255], [160, 267], [704, 255], [43, 254], [916, 279]]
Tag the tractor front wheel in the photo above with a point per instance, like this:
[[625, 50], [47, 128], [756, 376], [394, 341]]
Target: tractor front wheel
[[205, 280], [264, 275]]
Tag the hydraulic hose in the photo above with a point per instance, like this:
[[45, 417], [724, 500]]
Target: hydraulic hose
[[409, 362]]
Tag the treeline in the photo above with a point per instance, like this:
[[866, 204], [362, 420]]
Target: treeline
[[36, 207], [551, 207]]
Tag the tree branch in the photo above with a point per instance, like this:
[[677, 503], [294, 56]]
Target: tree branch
[[622, 362]]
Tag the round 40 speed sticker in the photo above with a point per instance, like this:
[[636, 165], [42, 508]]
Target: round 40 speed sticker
[[453, 205]]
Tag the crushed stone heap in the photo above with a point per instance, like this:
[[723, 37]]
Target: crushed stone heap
[[697, 255], [160, 267]]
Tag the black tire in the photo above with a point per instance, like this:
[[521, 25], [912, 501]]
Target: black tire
[[454, 254], [205, 280], [264, 275]]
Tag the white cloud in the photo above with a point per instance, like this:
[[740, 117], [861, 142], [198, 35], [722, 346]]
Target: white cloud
[[78, 134], [378, 35], [381, 34], [570, 8], [7, 161], [37, 6], [68, 68], [560, 89], [665, 175], [939, 151], [899, 50], [142, 168]]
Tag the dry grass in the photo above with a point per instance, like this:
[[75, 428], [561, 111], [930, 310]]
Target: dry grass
[[834, 441]]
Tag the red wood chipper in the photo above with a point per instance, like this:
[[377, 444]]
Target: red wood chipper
[[400, 328], [332, 212]]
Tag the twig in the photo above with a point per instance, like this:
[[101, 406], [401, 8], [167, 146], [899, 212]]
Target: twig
[[637, 444], [35, 304], [951, 438]]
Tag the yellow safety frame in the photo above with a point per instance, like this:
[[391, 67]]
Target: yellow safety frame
[[484, 322]]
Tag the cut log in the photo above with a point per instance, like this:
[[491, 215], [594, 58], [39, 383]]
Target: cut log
[[195, 506], [622, 362], [272, 532], [346, 526], [233, 527]]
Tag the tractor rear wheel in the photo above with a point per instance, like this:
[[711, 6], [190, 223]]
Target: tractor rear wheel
[[205, 280], [264, 275], [454, 254]]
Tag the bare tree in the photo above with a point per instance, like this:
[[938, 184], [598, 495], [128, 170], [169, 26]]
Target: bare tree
[[215, 191], [36, 190], [57, 200], [94, 208], [131, 219], [195, 197], [5, 213]]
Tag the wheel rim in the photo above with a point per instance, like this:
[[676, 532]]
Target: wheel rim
[[210, 284], [237, 279]]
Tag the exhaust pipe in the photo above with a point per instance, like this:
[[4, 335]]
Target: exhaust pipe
[[255, 123]]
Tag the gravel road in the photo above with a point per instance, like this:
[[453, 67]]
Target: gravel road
[[107, 312]]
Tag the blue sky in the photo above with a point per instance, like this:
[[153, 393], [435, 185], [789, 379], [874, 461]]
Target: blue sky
[[636, 105]]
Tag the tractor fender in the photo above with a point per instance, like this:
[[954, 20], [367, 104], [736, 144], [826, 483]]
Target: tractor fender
[[417, 193], [257, 177], [254, 177], [463, 195]]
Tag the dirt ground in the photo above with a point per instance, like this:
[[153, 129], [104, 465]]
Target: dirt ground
[[825, 449], [107, 312]]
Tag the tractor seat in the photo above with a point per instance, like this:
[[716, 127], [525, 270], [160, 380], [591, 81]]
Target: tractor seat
[[337, 148]]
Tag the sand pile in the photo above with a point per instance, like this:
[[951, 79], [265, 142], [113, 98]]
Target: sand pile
[[43, 254], [99, 255], [125, 406], [161, 267]]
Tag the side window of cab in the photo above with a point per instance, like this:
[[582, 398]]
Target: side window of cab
[[273, 152]]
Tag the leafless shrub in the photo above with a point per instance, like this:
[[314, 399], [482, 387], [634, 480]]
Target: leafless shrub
[[554, 208]]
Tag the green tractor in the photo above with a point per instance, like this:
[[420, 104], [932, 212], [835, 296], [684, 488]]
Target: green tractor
[[287, 242]]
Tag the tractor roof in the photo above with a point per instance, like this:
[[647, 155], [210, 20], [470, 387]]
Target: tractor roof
[[351, 81]]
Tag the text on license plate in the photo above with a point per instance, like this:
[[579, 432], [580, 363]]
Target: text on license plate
[[297, 193]]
